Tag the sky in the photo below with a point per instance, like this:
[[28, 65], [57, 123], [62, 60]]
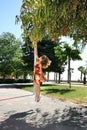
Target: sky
[[8, 10]]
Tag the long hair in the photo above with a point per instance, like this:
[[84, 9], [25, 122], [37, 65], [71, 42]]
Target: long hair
[[45, 61]]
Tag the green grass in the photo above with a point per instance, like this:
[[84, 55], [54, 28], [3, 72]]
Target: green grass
[[75, 94]]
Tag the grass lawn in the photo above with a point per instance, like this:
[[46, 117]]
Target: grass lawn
[[75, 93]]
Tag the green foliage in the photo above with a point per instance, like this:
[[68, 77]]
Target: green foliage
[[83, 70], [73, 52], [47, 47], [28, 55], [58, 18], [10, 54]]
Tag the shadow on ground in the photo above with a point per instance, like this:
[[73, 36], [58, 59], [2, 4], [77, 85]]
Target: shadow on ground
[[61, 91], [16, 85], [68, 119], [7, 86]]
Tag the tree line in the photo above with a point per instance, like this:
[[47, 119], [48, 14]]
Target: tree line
[[17, 57]]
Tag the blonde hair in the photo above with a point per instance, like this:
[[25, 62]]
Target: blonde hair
[[45, 61]]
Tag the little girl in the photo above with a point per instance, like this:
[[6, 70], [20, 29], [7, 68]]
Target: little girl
[[41, 63]]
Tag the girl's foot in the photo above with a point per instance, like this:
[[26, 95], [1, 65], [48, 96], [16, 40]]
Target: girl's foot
[[37, 99]]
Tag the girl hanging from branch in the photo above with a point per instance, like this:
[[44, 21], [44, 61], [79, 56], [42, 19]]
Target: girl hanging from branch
[[41, 63]]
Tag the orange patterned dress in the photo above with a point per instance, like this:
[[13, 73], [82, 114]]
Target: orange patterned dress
[[38, 75]]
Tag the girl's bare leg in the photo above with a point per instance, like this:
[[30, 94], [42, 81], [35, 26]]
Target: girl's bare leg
[[37, 92]]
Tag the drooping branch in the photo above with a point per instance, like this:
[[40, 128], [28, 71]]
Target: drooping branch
[[56, 17]]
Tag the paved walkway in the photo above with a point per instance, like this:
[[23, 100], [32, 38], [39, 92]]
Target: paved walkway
[[19, 111]]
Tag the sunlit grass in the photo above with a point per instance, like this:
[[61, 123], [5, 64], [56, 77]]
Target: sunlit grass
[[75, 93]]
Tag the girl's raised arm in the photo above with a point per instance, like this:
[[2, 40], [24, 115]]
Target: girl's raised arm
[[36, 52]]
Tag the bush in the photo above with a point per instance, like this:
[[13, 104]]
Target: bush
[[14, 81], [23, 81], [7, 81]]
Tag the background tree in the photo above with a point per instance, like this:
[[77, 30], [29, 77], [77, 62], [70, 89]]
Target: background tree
[[61, 58], [10, 54], [83, 70], [65, 54], [28, 56], [72, 53], [80, 69]]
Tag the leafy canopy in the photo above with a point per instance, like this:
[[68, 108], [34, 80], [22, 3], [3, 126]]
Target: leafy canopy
[[55, 17]]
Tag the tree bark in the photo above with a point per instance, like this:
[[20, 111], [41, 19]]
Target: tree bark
[[47, 76], [59, 78], [69, 77]]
